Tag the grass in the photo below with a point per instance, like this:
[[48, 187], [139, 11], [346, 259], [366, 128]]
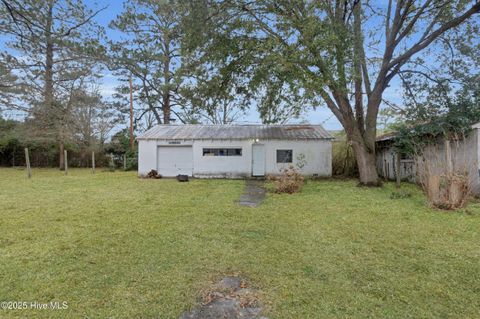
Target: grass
[[115, 246]]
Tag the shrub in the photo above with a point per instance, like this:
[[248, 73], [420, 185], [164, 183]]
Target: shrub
[[343, 159], [289, 181], [448, 191], [445, 172], [400, 195], [132, 160]]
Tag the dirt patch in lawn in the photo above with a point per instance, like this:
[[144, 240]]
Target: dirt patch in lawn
[[231, 298]]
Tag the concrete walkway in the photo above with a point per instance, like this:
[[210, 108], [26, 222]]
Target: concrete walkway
[[254, 193]]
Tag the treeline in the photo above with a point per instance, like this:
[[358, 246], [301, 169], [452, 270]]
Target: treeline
[[15, 137]]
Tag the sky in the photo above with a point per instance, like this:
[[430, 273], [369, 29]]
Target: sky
[[321, 115]]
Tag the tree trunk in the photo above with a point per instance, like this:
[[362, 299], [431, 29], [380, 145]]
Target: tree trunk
[[166, 77], [166, 108], [48, 89], [366, 164], [61, 161]]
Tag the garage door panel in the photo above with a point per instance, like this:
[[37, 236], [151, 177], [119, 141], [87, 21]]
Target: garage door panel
[[174, 160]]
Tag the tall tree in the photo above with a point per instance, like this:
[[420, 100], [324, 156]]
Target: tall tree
[[10, 88], [216, 92], [337, 53], [94, 116], [51, 45], [150, 51], [218, 88]]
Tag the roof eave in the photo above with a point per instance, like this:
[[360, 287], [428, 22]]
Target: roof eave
[[235, 138]]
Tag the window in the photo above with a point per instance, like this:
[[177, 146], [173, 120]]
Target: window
[[284, 156], [222, 152]]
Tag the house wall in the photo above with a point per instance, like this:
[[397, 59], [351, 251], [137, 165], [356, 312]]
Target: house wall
[[465, 154], [147, 156], [318, 157], [222, 166]]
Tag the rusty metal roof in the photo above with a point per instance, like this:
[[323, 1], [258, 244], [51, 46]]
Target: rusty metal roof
[[232, 131]]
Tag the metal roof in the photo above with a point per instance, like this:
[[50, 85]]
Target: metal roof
[[386, 137], [219, 132], [391, 136]]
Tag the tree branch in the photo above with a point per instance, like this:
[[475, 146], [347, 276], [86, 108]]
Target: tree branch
[[400, 60], [88, 19]]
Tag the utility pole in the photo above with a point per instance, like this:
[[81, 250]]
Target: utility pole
[[131, 115]]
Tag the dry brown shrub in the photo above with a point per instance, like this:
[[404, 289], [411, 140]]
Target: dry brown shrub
[[289, 181], [446, 176], [153, 174], [449, 191]]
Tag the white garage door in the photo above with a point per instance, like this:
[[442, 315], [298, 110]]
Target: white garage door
[[174, 160]]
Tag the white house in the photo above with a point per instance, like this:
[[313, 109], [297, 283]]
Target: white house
[[234, 151]]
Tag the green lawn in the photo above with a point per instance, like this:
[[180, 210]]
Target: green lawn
[[116, 246]]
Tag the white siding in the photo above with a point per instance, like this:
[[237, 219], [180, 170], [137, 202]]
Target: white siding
[[222, 166], [147, 156], [318, 157]]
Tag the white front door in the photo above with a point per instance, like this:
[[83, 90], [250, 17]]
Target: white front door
[[258, 160], [175, 160]]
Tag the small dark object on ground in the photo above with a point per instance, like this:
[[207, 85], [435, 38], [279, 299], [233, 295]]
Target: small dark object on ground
[[153, 174], [182, 178], [400, 195]]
